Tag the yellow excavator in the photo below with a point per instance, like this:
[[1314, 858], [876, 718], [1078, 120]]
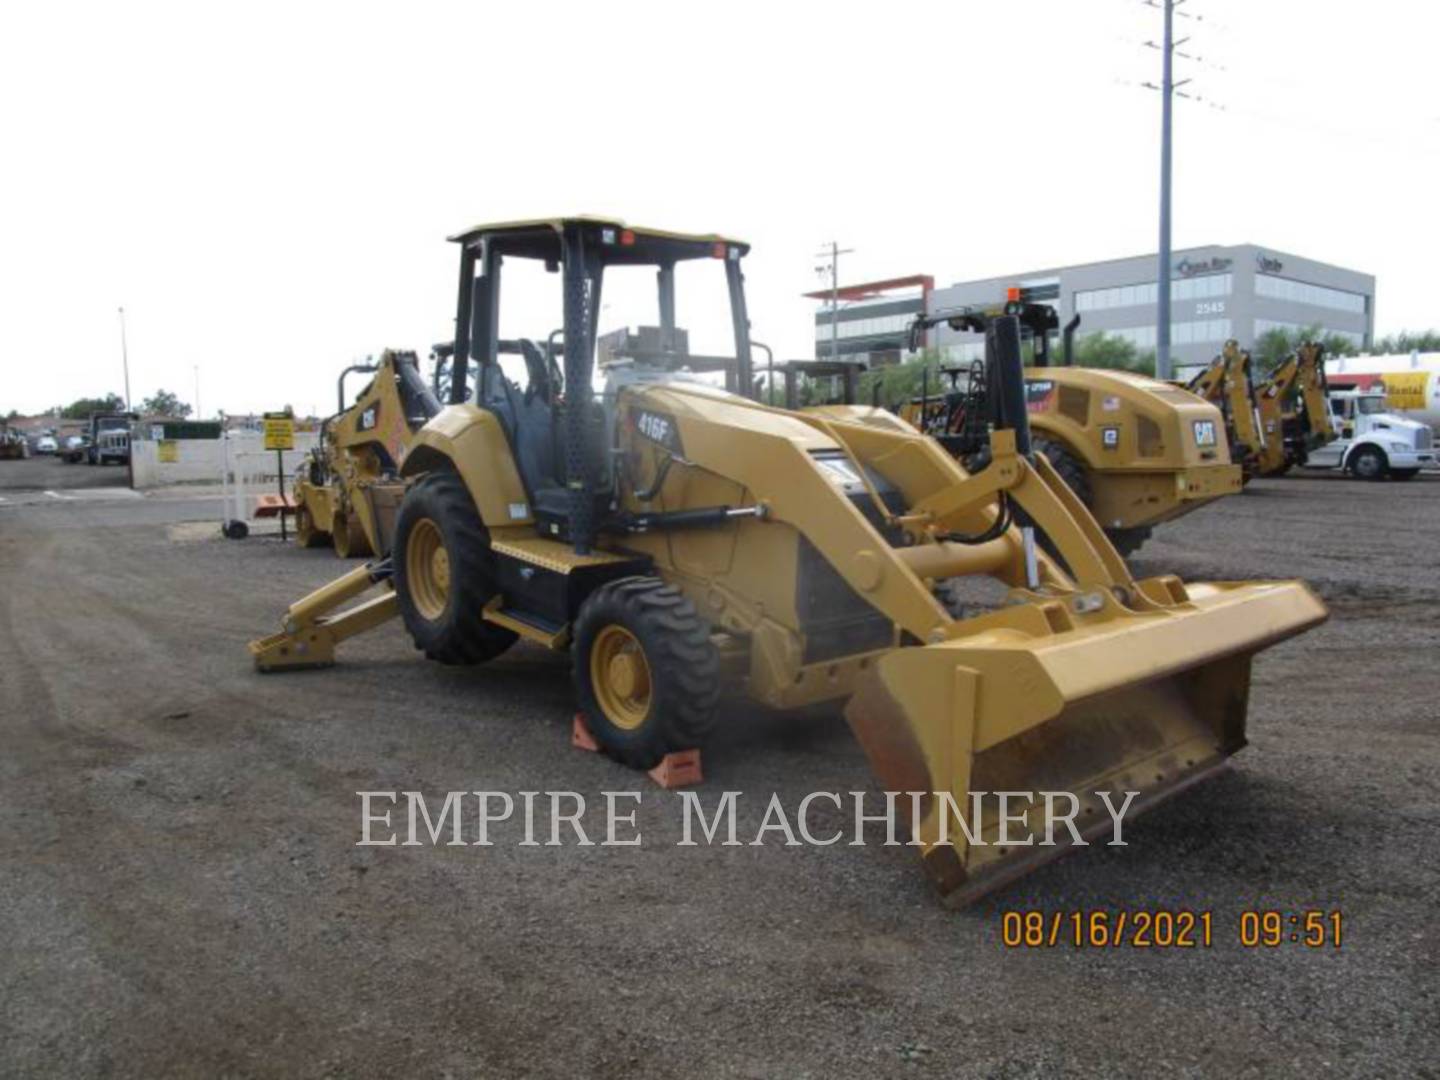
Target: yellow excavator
[[680, 538], [1272, 425], [360, 447], [1138, 452]]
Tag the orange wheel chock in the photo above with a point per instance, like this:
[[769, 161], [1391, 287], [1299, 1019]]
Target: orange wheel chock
[[679, 768]]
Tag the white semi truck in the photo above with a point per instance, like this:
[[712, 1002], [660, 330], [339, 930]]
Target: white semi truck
[[1373, 443]]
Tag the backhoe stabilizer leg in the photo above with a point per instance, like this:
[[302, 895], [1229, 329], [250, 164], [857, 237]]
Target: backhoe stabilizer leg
[[311, 632]]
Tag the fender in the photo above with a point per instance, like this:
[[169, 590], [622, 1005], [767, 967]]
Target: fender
[[470, 440], [1358, 445]]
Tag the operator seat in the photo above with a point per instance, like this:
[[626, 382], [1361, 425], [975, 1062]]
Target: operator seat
[[533, 420]]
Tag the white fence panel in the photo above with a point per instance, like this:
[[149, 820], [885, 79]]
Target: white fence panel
[[201, 461]]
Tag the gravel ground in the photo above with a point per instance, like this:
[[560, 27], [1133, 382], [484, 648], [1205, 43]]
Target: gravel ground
[[181, 894]]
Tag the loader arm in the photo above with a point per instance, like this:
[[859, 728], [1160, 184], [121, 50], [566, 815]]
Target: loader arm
[[785, 474], [1085, 681]]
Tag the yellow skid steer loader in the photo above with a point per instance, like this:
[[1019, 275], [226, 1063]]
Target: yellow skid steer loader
[[676, 536]]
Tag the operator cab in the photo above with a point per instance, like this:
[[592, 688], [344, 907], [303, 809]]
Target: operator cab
[[540, 387], [1347, 408], [959, 410]]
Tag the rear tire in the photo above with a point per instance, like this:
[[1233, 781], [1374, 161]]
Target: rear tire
[[348, 537], [306, 534], [445, 573], [1370, 463], [340, 536], [647, 675]]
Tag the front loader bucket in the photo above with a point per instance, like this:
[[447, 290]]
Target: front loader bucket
[[1036, 701]]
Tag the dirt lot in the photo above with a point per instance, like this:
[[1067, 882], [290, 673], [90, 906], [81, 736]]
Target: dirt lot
[[181, 894], [48, 473]]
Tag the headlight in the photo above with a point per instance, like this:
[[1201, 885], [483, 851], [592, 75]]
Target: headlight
[[1402, 446]]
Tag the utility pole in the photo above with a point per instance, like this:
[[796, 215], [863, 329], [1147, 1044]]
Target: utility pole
[[125, 360], [834, 252], [1167, 92], [1169, 87], [198, 413]]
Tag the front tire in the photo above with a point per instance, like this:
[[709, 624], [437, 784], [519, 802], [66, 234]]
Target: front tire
[[647, 675], [1370, 463], [445, 573]]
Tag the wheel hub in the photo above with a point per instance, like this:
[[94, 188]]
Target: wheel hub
[[625, 675], [427, 569], [621, 677]]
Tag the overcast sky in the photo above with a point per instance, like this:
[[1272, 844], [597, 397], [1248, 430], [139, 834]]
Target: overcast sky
[[266, 188]]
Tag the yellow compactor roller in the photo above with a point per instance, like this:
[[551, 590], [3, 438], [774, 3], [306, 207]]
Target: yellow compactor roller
[[1137, 451], [361, 446], [678, 537]]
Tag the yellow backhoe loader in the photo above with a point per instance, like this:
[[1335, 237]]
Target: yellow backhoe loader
[[1273, 425], [360, 446], [677, 537], [1138, 452]]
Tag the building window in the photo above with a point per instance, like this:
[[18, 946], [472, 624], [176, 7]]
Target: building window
[[1181, 333], [1202, 288], [849, 328], [1300, 292], [1263, 326], [1196, 288]]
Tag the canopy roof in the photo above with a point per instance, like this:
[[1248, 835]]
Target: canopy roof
[[540, 237]]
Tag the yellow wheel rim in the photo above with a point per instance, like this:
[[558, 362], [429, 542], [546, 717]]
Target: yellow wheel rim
[[620, 675], [427, 569]]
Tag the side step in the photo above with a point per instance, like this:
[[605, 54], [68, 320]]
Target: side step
[[528, 625], [542, 583]]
